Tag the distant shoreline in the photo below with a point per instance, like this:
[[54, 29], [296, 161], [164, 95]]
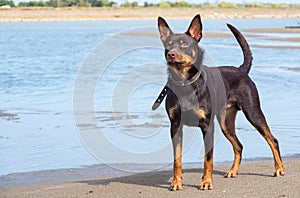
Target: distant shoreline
[[85, 14]]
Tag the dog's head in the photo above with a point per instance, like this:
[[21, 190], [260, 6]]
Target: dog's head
[[182, 52]]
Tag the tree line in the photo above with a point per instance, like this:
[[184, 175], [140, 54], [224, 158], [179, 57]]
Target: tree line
[[60, 3], [109, 3]]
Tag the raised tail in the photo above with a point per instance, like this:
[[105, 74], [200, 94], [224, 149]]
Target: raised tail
[[246, 66]]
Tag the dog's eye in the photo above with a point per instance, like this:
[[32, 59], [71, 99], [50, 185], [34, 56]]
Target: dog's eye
[[168, 45], [184, 45]]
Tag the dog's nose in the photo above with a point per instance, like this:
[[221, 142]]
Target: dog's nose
[[171, 54]]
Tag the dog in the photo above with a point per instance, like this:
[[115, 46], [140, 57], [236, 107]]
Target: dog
[[196, 94]]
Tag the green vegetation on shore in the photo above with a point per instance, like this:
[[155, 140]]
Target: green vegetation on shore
[[162, 4]]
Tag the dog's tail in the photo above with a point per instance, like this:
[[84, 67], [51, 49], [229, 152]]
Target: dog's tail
[[246, 66]]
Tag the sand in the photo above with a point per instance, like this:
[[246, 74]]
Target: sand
[[8, 116], [67, 14], [261, 34], [254, 180]]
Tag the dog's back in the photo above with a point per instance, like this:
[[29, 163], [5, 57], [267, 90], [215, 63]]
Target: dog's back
[[230, 83]]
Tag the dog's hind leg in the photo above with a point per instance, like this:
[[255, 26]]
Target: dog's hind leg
[[255, 116], [227, 122]]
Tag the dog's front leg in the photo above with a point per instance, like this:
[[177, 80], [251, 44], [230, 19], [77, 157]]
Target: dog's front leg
[[208, 137], [176, 135]]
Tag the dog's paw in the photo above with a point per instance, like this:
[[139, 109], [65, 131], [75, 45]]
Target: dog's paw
[[176, 185], [206, 184], [231, 173], [279, 172]]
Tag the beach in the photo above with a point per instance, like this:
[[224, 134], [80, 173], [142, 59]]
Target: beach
[[83, 14], [255, 179], [41, 124]]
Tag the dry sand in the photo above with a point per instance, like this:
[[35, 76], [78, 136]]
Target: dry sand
[[254, 180], [57, 14]]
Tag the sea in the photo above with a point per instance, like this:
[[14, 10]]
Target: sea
[[79, 93]]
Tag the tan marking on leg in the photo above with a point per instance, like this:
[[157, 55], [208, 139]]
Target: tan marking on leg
[[227, 119], [206, 183], [279, 170], [172, 113], [200, 113], [177, 179]]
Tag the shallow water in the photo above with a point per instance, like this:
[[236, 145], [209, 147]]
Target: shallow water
[[40, 62]]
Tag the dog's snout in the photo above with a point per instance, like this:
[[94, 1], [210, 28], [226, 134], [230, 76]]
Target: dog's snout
[[171, 54]]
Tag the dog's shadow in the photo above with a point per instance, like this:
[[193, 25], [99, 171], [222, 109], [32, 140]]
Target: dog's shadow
[[158, 179], [154, 179]]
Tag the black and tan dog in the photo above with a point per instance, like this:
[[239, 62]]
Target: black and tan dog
[[196, 94]]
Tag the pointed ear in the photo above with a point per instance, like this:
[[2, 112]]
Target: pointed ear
[[164, 29], [195, 29]]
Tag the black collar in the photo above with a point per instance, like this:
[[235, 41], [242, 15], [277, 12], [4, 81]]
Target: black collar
[[166, 88], [183, 83]]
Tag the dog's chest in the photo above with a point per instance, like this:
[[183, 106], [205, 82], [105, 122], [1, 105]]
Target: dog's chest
[[189, 97], [186, 97], [194, 105]]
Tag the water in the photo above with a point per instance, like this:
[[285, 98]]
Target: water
[[40, 62]]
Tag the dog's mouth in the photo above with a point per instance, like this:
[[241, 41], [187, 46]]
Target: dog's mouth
[[178, 60], [178, 63]]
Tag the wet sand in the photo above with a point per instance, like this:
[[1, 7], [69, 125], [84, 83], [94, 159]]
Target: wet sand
[[8, 116], [71, 14], [254, 180], [261, 34]]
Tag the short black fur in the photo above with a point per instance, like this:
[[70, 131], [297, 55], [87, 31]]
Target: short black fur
[[196, 94]]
